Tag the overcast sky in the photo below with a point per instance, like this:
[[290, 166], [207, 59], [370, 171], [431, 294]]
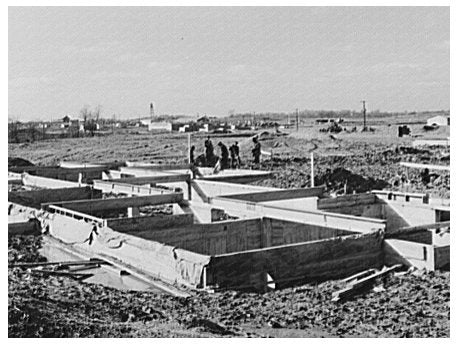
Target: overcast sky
[[212, 60]]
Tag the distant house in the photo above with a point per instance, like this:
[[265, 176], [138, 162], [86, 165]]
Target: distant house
[[204, 128], [66, 122], [203, 120], [438, 120], [160, 126]]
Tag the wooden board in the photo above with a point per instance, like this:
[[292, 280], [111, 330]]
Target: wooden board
[[361, 285], [54, 168], [239, 179], [311, 261], [70, 174], [35, 198], [346, 201], [424, 166], [109, 186], [119, 203], [153, 179], [157, 167], [267, 196]]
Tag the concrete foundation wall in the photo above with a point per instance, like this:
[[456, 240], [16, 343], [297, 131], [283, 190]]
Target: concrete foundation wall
[[412, 214], [423, 237], [394, 220], [305, 262], [69, 174], [397, 213], [244, 209], [286, 232], [302, 204], [210, 238], [37, 197], [142, 223], [234, 236], [23, 228], [441, 257], [409, 253], [213, 189], [48, 183], [374, 211], [346, 201]]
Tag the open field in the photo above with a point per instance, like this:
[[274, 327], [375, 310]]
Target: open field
[[373, 155]]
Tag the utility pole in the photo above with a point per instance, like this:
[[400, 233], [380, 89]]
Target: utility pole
[[297, 119], [364, 114], [151, 111]]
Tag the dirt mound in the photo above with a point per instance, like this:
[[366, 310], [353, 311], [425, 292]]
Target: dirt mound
[[267, 135], [339, 177], [18, 162]]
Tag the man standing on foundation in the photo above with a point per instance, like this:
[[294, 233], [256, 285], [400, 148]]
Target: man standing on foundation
[[208, 150], [224, 156], [256, 150]]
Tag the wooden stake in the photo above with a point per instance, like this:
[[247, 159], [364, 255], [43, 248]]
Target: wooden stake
[[189, 148]]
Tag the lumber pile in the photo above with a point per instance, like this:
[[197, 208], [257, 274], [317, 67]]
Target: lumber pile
[[66, 269], [361, 282]]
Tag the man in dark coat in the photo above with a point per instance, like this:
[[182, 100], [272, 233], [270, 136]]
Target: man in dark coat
[[233, 159], [224, 156], [237, 154], [256, 150], [208, 150], [191, 154]]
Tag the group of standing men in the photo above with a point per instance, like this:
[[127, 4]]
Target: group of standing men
[[234, 152]]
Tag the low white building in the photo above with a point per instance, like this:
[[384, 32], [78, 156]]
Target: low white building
[[439, 120], [160, 126], [183, 128]]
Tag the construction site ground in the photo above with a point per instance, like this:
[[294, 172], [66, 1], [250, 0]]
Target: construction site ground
[[405, 305]]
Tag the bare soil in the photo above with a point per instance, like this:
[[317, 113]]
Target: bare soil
[[412, 305]]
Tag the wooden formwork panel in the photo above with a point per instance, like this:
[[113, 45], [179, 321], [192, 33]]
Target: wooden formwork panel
[[287, 264], [37, 197], [156, 222], [210, 238], [90, 206]]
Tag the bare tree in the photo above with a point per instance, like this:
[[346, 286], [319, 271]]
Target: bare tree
[[85, 113], [97, 113], [91, 118]]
